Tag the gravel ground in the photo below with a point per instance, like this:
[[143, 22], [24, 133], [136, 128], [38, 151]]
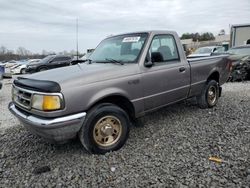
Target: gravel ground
[[172, 149]]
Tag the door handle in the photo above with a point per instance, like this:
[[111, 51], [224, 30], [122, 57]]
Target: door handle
[[182, 69]]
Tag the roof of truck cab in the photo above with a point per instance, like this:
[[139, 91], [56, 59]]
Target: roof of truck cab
[[147, 31]]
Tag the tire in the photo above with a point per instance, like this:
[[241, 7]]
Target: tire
[[209, 101], [23, 71], [42, 69], [100, 137]]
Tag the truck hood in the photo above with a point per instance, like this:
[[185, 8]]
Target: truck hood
[[82, 74]]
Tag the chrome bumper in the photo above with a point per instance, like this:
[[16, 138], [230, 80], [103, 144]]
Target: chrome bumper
[[55, 129]]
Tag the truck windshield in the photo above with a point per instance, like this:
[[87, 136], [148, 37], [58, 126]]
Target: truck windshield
[[122, 48]]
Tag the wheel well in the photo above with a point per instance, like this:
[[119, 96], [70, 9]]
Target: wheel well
[[120, 101], [214, 76], [22, 70], [42, 67]]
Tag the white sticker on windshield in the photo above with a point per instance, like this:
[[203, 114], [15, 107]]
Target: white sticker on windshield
[[131, 39]]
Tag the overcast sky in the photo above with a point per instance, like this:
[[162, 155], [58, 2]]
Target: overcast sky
[[50, 24]]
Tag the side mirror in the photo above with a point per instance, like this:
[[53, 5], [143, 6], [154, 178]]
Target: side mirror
[[148, 62]]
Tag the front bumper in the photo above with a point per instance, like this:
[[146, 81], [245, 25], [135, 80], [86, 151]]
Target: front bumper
[[56, 129]]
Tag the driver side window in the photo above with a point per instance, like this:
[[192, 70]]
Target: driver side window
[[61, 59], [163, 49]]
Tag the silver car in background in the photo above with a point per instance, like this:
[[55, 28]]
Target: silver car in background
[[207, 51], [20, 68]]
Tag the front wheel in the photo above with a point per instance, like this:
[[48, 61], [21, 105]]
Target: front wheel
[[23, 71], [106, 128], [209, 95], [42, 69]]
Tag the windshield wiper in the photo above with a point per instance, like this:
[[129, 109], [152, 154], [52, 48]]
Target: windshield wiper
[[114, 61]]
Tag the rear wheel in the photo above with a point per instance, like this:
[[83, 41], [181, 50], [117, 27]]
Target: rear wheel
[[106, 128], [209, 95]]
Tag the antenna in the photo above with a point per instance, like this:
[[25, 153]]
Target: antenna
[[77, 39]]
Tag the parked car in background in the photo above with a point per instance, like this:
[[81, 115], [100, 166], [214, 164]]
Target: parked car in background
[[7, 65], [207, 51], [126, 77], [1, 75], [21, 67], [11, 63], [34, 60], [3, 63], [240, 57], [49, 62]]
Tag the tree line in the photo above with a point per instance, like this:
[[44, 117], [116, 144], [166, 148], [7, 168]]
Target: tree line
[[198, 37], [22, 53]]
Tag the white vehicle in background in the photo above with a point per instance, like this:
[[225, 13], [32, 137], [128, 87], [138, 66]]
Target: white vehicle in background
[[1, 63], [207, 51], [20, 68], [10, 64]]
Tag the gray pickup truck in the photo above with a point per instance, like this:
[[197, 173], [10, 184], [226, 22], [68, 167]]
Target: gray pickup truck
[[126, 77]]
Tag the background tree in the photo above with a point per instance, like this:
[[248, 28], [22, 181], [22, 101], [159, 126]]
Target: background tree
[[198, 37], [3, 50], [22, 51], [206, 36], [186, 36]]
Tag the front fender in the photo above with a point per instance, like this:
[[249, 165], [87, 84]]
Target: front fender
[[104, 93]]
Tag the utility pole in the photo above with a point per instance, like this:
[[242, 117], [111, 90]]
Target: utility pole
[[77, 39]]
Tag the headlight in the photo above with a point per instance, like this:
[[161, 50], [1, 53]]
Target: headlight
[[46, 102]]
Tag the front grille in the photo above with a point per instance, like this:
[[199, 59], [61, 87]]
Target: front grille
[[22, 97]]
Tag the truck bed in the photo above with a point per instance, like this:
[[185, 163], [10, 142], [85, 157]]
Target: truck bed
[[201, 68]]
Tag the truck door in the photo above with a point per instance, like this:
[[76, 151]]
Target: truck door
[[168, 79]]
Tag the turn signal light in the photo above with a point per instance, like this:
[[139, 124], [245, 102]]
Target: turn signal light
[[51, 103]]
